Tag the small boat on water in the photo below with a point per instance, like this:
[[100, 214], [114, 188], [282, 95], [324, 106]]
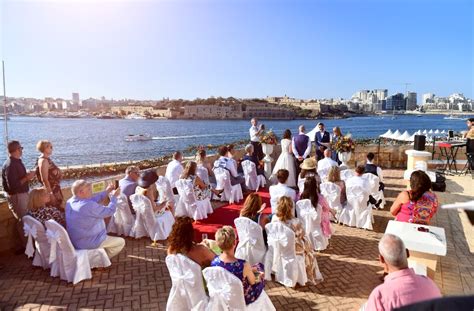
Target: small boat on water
[[139, 137], [452, 117], [135, 116]]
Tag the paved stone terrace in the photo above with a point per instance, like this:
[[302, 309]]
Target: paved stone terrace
[[138, 277]]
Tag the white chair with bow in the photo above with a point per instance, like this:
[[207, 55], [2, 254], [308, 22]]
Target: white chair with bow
[[332, 193], [187, 291], [165, 191], [281, 258], [226, 292], [188, 205], [346, 174], [203, 174], [231, 193], [68, 263], [311, 219], [251, 247], [34, 230], [374, 182], [122, 220], [157, 226], [252, 180], [359, 214]]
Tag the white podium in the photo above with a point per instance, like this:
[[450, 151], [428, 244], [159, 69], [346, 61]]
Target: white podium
[[418, 160]]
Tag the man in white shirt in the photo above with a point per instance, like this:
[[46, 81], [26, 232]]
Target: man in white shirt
[[363, 183], [226, 163], [281, 189], [370, 167], [254, 131], [174, 170], [325, 165]]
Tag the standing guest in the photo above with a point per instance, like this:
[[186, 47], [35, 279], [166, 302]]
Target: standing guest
[[334, 176], [38, 208], [128, 184], [308, 168], [370, 167], [417, 205], [15, 180], [335, 137], [174, 170], [470, 129], [201, 190], [401, 286], [253, 209], [85, 218], [325, 164], [48, 174], [255, 131], [226, 240], [181, 241], [301, 147], [250, 156], [207, 167], [286, 160], [281, 189], [146, 186], [225, 163], [284, 214], [322, 139]]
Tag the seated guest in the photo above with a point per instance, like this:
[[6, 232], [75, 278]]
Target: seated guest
[[308, 168], [85, 218], [325, 164], [357, 179], [201, 190], [311, 192], [230, 155], [334, 176], [281, 189], [370, 167], [303, 247], [250, 156], [417, 205], [174, 170], [38, 209], [226, 240], [401, 286], [201, 162], [253, 208], [180, 241], [129, 182], [147, 187], [227, 164]]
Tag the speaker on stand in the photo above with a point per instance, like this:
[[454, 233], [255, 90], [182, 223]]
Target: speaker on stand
[[420, 141]]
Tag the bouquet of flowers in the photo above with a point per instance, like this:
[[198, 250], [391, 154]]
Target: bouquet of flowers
[[344, 144], [268, 138]]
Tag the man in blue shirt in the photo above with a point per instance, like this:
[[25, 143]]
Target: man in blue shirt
[[129, 182], [85, 219]]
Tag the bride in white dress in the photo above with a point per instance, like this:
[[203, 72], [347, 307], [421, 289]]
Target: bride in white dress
[[286, 159]]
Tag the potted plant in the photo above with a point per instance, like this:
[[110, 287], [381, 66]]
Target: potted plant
[[344, 147]]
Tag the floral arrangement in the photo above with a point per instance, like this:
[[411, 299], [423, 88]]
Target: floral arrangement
[[268, 138], [344, 144]]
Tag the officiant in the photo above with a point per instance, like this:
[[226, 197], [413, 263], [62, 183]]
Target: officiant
[[322, 140]]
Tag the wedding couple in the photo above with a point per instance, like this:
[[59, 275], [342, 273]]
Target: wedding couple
[[295, 150]]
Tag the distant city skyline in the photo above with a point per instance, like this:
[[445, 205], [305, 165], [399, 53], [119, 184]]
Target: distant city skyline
[[188, 49]]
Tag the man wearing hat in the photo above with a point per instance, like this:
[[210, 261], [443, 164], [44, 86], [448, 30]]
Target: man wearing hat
[[301, 145], [322, 140]]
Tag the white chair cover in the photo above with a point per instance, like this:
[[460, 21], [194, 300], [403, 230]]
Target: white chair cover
[[147, 223], [374, 182], [311, 220], [226, 292], [188, 205], [122, 221], [165, 191], [281, 257], [68, 263], [323, 173], [203, 174], [34, 230], [357, 197], [346, 174], [332, 193], [187, 291], [251, 247], [252, 180], [231, 193]]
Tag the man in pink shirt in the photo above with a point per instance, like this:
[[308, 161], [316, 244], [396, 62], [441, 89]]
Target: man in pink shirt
[[402, 286]]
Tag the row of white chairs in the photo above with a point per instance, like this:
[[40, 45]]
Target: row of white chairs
[[52, 249]]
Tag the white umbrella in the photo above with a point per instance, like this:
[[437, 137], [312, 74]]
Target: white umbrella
[[386, 134], [311, 134], [404, 136], [437, 131], [443, 132], [430, 132], [425, 132], [411, 138], [395, 135]]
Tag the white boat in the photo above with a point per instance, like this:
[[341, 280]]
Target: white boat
[[452, 117], [139, 137], [135, 116]]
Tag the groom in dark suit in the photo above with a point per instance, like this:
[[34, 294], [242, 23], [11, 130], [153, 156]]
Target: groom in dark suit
[[321, 137]]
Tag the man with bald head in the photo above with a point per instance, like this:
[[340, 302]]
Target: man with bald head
[[402, 286], [301, 146], [325, 165]]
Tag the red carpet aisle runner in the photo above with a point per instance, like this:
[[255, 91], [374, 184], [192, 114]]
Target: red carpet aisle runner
[[224, 216]]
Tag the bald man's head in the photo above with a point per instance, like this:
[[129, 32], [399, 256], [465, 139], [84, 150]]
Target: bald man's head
[[327, 153]]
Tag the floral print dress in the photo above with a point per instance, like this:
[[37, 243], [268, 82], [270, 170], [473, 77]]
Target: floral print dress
[[54, 178], [201, 194], [46, 213]]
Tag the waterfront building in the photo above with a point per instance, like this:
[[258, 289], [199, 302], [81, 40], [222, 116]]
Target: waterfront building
[[428, 98], [395, 102], [75, 99], [411, 102]]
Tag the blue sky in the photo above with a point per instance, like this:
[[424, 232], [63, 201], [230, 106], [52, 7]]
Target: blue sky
[[189, 49]]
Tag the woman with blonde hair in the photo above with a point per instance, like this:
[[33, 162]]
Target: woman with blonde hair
[[334, 176], [335, 137], [252, 285], [38, 200], [201, 162], [285, 215], [48, 174]]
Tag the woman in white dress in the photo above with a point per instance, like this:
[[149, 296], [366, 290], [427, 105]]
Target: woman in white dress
[[286, 159]]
